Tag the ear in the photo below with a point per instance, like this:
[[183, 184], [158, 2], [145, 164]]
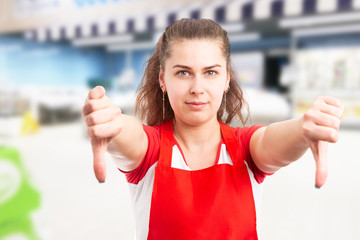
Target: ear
[[227, 83], [161, 80]]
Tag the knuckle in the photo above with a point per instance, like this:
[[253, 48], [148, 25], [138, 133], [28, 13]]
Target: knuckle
[[336, 101], [117, 112], [316, 105], [334, 136], [334, 122], [89, 132], [337, 123], [115, 132], [340, 114], [83, 110], [330, 123], [91, 106], [118, 126], [91, 120], [86, 120], [308, 115], [306, 129], [94, 131]]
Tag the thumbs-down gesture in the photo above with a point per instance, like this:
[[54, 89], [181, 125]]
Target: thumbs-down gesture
[[321, 125]]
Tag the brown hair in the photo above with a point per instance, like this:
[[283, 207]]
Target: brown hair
[[149, 100]]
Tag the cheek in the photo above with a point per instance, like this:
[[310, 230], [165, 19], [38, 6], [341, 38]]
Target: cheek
[[176, 89], [218, 98], [175, 96]]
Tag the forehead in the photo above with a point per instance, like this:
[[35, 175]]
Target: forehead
[[196, 52]]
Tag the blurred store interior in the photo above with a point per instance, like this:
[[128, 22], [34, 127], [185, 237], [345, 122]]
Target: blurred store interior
[[286, 53]]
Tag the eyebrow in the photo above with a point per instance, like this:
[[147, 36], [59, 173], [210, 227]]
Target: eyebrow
[[205, 68]]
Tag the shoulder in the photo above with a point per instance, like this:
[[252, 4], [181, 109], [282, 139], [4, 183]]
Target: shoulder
[[152, 132], [246, 132], [243, 135], [151, 156]]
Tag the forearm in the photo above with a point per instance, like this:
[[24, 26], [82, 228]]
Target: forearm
[[281, 144], [129, 147]]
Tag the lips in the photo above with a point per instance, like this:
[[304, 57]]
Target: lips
[[196, 105]]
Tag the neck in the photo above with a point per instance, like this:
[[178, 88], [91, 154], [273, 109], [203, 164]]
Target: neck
[[197, 135]]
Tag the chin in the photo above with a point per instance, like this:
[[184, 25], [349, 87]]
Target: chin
[[197, 120]]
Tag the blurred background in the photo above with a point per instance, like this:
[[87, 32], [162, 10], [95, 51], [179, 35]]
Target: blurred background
[[286, 52]]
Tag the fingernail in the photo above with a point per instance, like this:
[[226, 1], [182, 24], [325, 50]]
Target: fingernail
[[102, 182]]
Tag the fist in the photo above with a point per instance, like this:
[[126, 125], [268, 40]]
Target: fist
[[321, 124], [103, 122], [322, 121], [101, 116]]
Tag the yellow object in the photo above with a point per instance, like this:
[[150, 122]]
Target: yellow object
[[29, 124], [357, 111]]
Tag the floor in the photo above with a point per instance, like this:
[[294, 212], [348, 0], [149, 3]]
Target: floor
[[75, 206]]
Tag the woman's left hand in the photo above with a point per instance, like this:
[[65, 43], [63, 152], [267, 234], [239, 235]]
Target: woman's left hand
[[321, 125]]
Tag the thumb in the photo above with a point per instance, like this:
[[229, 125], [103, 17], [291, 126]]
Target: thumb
[[98, 149], [319, 151], [97, 92]]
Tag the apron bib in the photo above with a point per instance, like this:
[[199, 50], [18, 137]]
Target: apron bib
[[211, 203]]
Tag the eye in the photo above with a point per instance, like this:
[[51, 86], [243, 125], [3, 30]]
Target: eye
[[183, 73], [211, 73]]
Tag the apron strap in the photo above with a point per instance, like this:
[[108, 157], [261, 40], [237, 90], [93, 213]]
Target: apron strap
[[166, 137], [232, 144]]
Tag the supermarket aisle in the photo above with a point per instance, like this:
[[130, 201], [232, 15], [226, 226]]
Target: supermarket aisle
[[75, 206]]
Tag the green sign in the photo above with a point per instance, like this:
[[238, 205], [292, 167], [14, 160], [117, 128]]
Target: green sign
[[18, 198]]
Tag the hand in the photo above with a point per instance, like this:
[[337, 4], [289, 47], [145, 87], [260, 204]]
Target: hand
[[103, 122], [321, 125]]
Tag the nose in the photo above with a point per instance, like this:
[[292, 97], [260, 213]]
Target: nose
[[197, 86]]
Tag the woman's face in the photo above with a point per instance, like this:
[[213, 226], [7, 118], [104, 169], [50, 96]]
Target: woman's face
[[195, 78]]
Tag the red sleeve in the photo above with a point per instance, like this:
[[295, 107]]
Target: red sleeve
[[151, 156], [244, 135]]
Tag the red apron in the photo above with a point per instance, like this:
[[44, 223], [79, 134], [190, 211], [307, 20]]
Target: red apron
[[211, 203]]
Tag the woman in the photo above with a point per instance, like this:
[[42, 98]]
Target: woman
[[191, 175]]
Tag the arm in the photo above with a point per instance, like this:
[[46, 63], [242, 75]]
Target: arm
[[110, 130], [129, 147], [278, 145], [282, 143]]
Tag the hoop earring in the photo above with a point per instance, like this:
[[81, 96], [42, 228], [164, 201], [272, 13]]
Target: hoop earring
[[163, 106]]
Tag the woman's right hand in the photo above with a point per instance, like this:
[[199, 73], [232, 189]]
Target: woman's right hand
[[103, 122]]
